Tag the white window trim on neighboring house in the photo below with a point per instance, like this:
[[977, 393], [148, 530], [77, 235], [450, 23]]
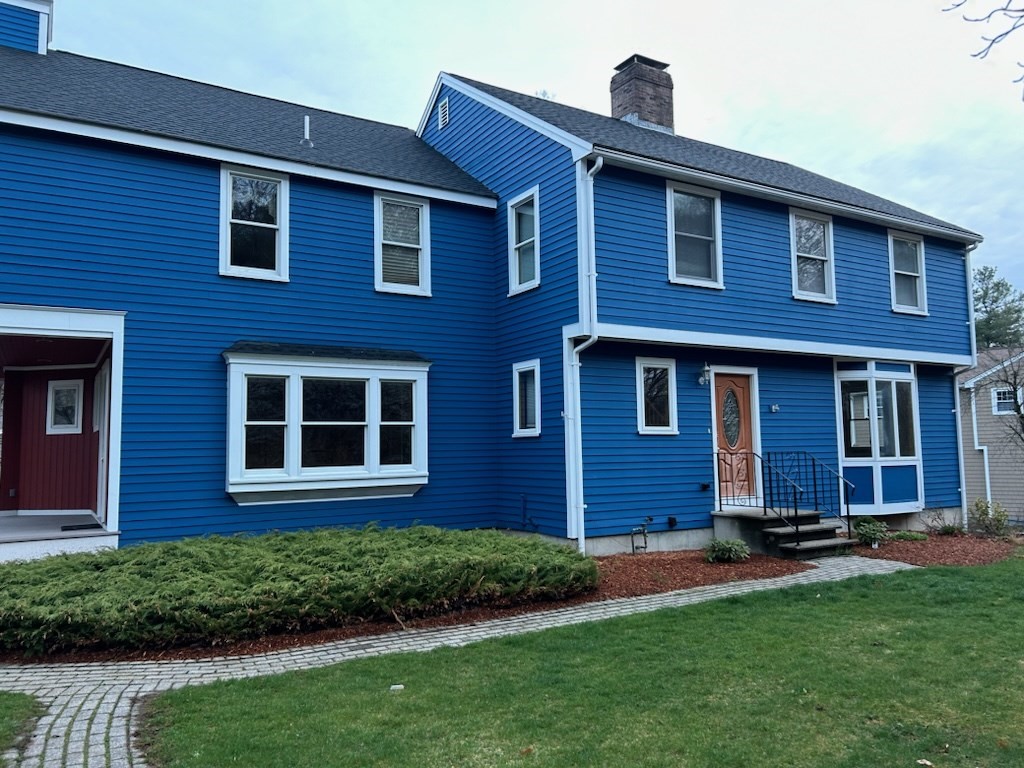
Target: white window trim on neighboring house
[[423, 287], [515, 285], [996, 401], [921, 308], [292, 477], [673, 277], [78, 385], [829, 297], [664, 363], [280, 272], [517, 370]]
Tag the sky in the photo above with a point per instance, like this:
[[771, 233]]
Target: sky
[[880, 94]]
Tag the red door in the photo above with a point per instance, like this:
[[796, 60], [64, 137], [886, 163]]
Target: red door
[[735, 438]]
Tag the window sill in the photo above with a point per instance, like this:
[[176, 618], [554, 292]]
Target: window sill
[[695, 283], [524, 288], [657, 431], [910, 311], [254, 274], [814, 298], [406, 290], [325, 489], [531, 433]]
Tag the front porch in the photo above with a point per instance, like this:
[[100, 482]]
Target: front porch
[[27, 536]]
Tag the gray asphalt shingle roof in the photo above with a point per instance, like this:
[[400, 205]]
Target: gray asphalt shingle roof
[[73, 87], [607, 132]]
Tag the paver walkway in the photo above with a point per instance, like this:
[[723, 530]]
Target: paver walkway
[[91, 708]]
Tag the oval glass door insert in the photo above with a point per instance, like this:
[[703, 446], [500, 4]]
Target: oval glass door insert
[[731, 418]]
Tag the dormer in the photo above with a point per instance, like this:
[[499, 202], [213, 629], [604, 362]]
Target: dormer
[[26, 25]]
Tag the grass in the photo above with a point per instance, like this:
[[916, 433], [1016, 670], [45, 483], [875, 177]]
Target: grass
[[17, 712], [208, 591], [875, 671]]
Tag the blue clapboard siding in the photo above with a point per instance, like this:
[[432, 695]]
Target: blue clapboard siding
[[633, 287], [19, 28], [936, 393], [510, 159], [97, 226], [628, 476]]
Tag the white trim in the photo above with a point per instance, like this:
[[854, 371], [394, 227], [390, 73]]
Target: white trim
[[665, 363], [423, 288], [90, 324], [39, 6], [83, 366], [765, 192], [829, 297], [45, 10], [576, 145], [514, 286], [100, 420], [978, 447], [517, 369], [994, 390], [614, 331], [236, 157], [755, 420], [75, 428], [969, 299], [921, 308], [293, 477], [227, 269], [718, 280]]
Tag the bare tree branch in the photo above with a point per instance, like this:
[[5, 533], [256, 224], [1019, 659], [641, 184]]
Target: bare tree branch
[[1011, 13]]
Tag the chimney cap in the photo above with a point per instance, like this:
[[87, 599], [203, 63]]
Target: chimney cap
[[636, 58]]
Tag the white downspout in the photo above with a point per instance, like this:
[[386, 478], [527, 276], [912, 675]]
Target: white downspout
[[589, 254], [978, 446], [974, 409]]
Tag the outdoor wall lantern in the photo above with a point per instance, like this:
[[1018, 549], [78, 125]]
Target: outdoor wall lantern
[[705, 375]]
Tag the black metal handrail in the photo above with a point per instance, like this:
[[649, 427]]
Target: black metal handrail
[[826, 490], [760, 484]]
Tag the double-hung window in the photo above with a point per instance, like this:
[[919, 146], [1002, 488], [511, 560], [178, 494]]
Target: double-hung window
[[1005, 400], [526, 399], [813, 266], [524, 242], [656, 396], [325, 427], [402, 244], [906, 260], [695, 236], [254, 224], [64, 407]]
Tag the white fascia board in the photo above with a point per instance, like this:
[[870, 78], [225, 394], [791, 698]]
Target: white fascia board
[[575, 144], [60, 321], [611, 331], [39, 6], [990, 371], [817, 204], [248, 358], [236, 157], [428, 110]]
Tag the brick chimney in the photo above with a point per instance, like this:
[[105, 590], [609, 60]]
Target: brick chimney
[[642, 93]]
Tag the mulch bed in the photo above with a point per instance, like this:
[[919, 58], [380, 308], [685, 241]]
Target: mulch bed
[[621, 576]]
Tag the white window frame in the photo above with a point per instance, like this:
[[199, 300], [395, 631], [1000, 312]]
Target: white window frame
[[670, 190], [922, 291], [669, 364], [443, 114], [517, 369], [514, 284], [293, 477], [280, 273], [65, 429], [995, 400], [829, 297], [423, 288]]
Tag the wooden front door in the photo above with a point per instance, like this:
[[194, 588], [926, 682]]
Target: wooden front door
[[737, 480]]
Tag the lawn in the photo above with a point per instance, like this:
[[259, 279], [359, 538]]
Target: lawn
[[17, 711], [876, 671]]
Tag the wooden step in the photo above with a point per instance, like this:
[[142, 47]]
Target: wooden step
[[788, 530], [816, 547]]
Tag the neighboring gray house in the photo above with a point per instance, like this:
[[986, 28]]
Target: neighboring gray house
[[993, 458]]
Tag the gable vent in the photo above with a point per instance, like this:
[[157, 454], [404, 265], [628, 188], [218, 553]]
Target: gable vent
[[442, 115]]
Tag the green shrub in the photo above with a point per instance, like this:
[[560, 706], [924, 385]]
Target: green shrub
[[908, 536], [991, 519], [870, 531], [726, 551], [950, 529], [208, 591]]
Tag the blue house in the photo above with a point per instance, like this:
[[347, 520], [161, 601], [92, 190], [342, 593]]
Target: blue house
[[225, 313]]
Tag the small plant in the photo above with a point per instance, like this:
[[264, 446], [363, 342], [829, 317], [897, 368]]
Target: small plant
[[990, 519], [908, 536], [869, 531], [950, 529], [726, 551]]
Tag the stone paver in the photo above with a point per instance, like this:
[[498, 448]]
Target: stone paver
[[92, 708]]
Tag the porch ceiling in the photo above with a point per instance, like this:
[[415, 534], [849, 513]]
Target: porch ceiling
[[48, 350]]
